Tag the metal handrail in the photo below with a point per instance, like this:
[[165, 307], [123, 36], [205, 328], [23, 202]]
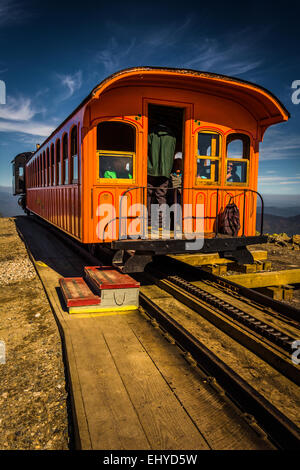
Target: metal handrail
[[218, 190]]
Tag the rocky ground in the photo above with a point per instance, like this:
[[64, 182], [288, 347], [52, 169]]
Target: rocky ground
[[33, 397]]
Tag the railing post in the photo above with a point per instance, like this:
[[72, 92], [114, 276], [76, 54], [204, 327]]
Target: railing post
[[262, 216], [217, 215], [244, 212]]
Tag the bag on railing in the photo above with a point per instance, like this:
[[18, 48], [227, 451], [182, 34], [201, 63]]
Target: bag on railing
[[230, 220]]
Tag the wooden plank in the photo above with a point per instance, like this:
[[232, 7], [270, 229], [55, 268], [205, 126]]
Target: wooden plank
[[244, 268], [200, 259], [288, 293], [112, 419], [269, 278], [163, 418], [82, 435], [275, 292], [205, 405]]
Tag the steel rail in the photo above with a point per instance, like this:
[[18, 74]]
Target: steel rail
[[274, 335], [283, 432], [264, 301]]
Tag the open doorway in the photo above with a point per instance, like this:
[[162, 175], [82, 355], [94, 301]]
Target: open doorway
[[165, 155]]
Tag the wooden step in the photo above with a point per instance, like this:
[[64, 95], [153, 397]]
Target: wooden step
[[118, 291], [103, 278], [77, 293]]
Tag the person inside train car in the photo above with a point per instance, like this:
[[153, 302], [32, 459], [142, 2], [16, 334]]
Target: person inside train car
[[176, 178], [203, 169], [120, 169], [161, 150], [232, 176]]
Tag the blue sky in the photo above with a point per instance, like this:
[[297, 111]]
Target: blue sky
[[52, 55]]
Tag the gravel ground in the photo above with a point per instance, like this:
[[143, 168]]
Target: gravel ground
[[33, 397]]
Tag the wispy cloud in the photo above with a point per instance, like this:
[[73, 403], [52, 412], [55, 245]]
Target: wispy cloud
[[167, 36], [147, 47], [215, 55], [71, 83], [27, 127], [17, 116], [17, 109], [280, 145], [281, 180], [12, 11], [173, 45], [114, 54]]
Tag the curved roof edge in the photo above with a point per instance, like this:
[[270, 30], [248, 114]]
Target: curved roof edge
[[199, 73], [168, 69]]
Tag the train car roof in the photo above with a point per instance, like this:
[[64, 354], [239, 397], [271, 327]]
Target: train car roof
[[269, 109], [27, 156]]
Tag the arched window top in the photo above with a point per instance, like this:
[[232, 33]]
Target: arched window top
[[57, 145], [115, 136], [238, 146], [52, 154], [116, 150], [208, 144], [74, 141], [207, 158], [238, 158], [65, 146]]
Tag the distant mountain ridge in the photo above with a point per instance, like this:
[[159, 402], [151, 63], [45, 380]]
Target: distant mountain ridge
[[288, 211], [276, 224]]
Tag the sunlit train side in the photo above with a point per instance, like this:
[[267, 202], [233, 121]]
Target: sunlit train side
[[218, 122]]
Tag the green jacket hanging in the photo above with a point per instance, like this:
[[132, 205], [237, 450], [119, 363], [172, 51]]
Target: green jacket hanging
[[161, 149]]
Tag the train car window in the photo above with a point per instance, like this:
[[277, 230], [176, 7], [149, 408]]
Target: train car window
[[40, 170], [52, 167], [65, 160], [58, 164], [48, 168], [74, 156], [208, 153], [237, 158], [116, 150], [45, 169]]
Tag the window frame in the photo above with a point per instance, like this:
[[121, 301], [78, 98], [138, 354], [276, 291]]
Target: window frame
[[48, 166], [40, 170], [100, 153], [58, 175], [200, 181], [65, 145], [118, 181], [52, 164], [71, 170], [238, 159]]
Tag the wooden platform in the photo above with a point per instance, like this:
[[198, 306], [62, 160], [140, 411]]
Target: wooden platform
[[130, 388]]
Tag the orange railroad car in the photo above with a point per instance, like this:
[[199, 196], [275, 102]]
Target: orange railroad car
[[218, 122]]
